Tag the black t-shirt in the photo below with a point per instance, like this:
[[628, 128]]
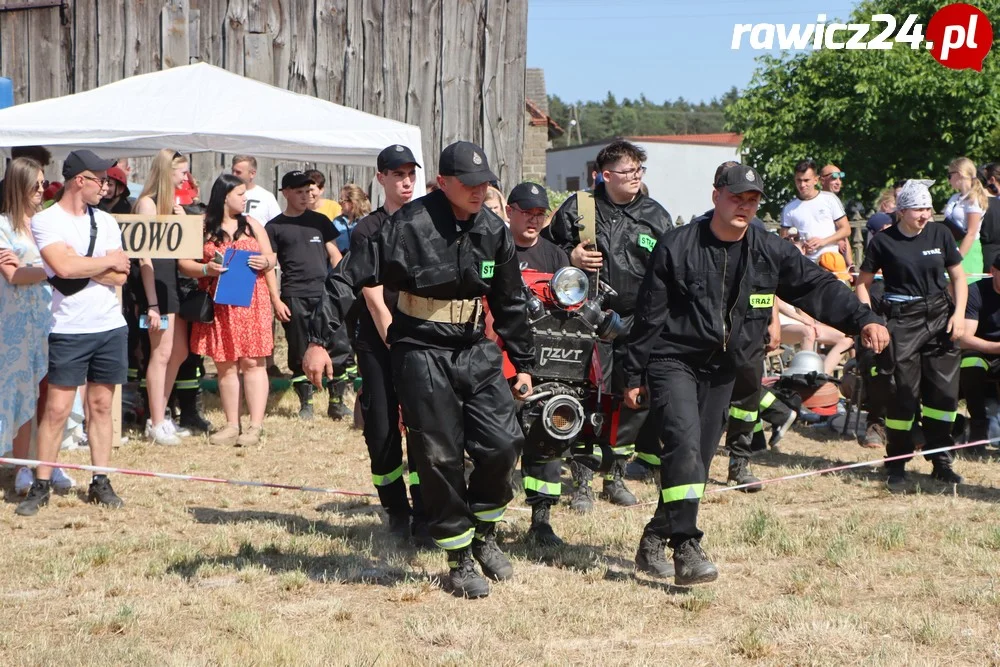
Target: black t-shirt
[[984, 305], [989, 232], [367, 228], [300, 242], [544, 256], [914, 266]]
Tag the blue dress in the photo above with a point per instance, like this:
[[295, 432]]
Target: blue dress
[[25, 321]]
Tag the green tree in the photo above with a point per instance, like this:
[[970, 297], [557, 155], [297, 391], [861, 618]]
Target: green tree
[[879, 115]]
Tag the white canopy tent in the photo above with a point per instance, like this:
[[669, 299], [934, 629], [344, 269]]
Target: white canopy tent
[[199, 108]]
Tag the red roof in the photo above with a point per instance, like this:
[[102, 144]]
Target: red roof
[[540, 119], [717, 139]]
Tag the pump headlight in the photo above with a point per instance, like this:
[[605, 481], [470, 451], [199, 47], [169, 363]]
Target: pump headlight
[[569, 286]]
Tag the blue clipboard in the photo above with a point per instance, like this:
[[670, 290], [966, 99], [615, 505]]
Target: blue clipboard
[[235, 286]]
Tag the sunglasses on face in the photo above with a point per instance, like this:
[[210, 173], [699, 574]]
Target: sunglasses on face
[[835, 175]]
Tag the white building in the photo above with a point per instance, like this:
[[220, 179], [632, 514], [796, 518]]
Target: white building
[[680, 168]]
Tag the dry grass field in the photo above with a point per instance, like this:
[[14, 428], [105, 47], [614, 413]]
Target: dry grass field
[[824, 570]]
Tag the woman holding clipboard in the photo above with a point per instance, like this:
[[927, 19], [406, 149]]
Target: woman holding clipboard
[[239, 337]]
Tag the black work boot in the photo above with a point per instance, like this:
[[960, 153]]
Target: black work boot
[[38, 497], [192, 415], [101, 492], [639, 471], [692, 565], [495, 564], [541, 532], [979, 430], [896, 480], [943, 473], [399, 525], [651, 557], [615, 491], [305, 393], [739, 472], [582, 500], [463, 580], [336, 410]]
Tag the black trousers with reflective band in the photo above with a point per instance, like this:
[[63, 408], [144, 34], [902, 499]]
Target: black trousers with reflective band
[[456, 402], [919, 373], [979, 370], [752, 405], [380, 407], [633, 434], [694, 405]]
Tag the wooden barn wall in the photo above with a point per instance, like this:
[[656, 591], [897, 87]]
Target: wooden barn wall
[[455, 68]]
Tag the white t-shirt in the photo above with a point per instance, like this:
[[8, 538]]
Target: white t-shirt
[[958, 209], [95, 308], [815, 217], [261, 205]]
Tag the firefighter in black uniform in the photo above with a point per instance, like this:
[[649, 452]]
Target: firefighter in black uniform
[[444, 253], [980, 344], [626, 225], [527, 206], [919, 375], [705, 301], [397, 172]]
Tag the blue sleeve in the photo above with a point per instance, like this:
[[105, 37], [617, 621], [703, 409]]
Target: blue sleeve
[[974, 302]]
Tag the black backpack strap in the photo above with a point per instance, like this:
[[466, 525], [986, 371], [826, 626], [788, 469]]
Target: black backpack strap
[[93, 231]]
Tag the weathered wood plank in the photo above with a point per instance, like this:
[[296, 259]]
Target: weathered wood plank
[[373, 98], [511, 123], [493, 78], [174, 39], [85, 45], [44, 67], [302, 54], [14, 53], [396, 57], [258, 66], [142, 37], [423, 90], [211, 30], [194, 35], [234, 37], [461, 105], [111, 38], [331, 41], [281, 48]]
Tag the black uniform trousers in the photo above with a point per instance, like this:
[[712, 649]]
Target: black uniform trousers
[[752, 404], [380, 407], [456, 401], [920, 373], [297, 336], [694, 402], [979, 372]]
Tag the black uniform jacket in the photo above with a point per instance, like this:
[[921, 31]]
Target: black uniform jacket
[[626, 236], [681, 313], [422, 250]]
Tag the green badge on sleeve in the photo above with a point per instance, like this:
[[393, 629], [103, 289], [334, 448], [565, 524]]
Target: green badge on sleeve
[[647, 242], [761, 300], [486, 269]]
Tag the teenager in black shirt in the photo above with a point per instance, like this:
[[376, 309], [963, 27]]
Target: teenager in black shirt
[[925, 317], [397, 173], [305, 242], [980, 345]]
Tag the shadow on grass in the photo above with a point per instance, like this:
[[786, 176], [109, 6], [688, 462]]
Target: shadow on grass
[[345, 568]]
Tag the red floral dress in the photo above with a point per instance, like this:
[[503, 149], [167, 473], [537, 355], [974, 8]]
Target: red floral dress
[[237, 332]]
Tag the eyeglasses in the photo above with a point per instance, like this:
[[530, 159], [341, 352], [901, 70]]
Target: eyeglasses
[[835, 175], [41, 185], [630, 173], [529, 215], [100, 181], [955, 173]]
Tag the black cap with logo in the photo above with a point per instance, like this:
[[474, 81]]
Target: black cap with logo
[[294, 180], [395, 156], [467, 162], [740, 178], [528, 196], [83, 160]]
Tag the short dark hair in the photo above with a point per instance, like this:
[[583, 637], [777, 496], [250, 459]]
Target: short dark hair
[[617, 150], [802, 166], [722, 168], [898, 183], [39, 154], [317, 177], [988, 171]]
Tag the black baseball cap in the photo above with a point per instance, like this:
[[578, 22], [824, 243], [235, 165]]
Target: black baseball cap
[[395, 156], [528, 196], [467, 161], [83, 160], [294, 180], [740, 178]]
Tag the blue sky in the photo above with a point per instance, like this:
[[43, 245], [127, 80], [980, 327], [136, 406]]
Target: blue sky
[[664, 49]]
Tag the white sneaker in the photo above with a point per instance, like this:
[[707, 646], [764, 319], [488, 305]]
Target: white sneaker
[[23, 480], [180, 432], [61, 482], [163, 435], [149, 429]]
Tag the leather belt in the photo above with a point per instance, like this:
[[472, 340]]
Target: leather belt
[[446, 311]]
